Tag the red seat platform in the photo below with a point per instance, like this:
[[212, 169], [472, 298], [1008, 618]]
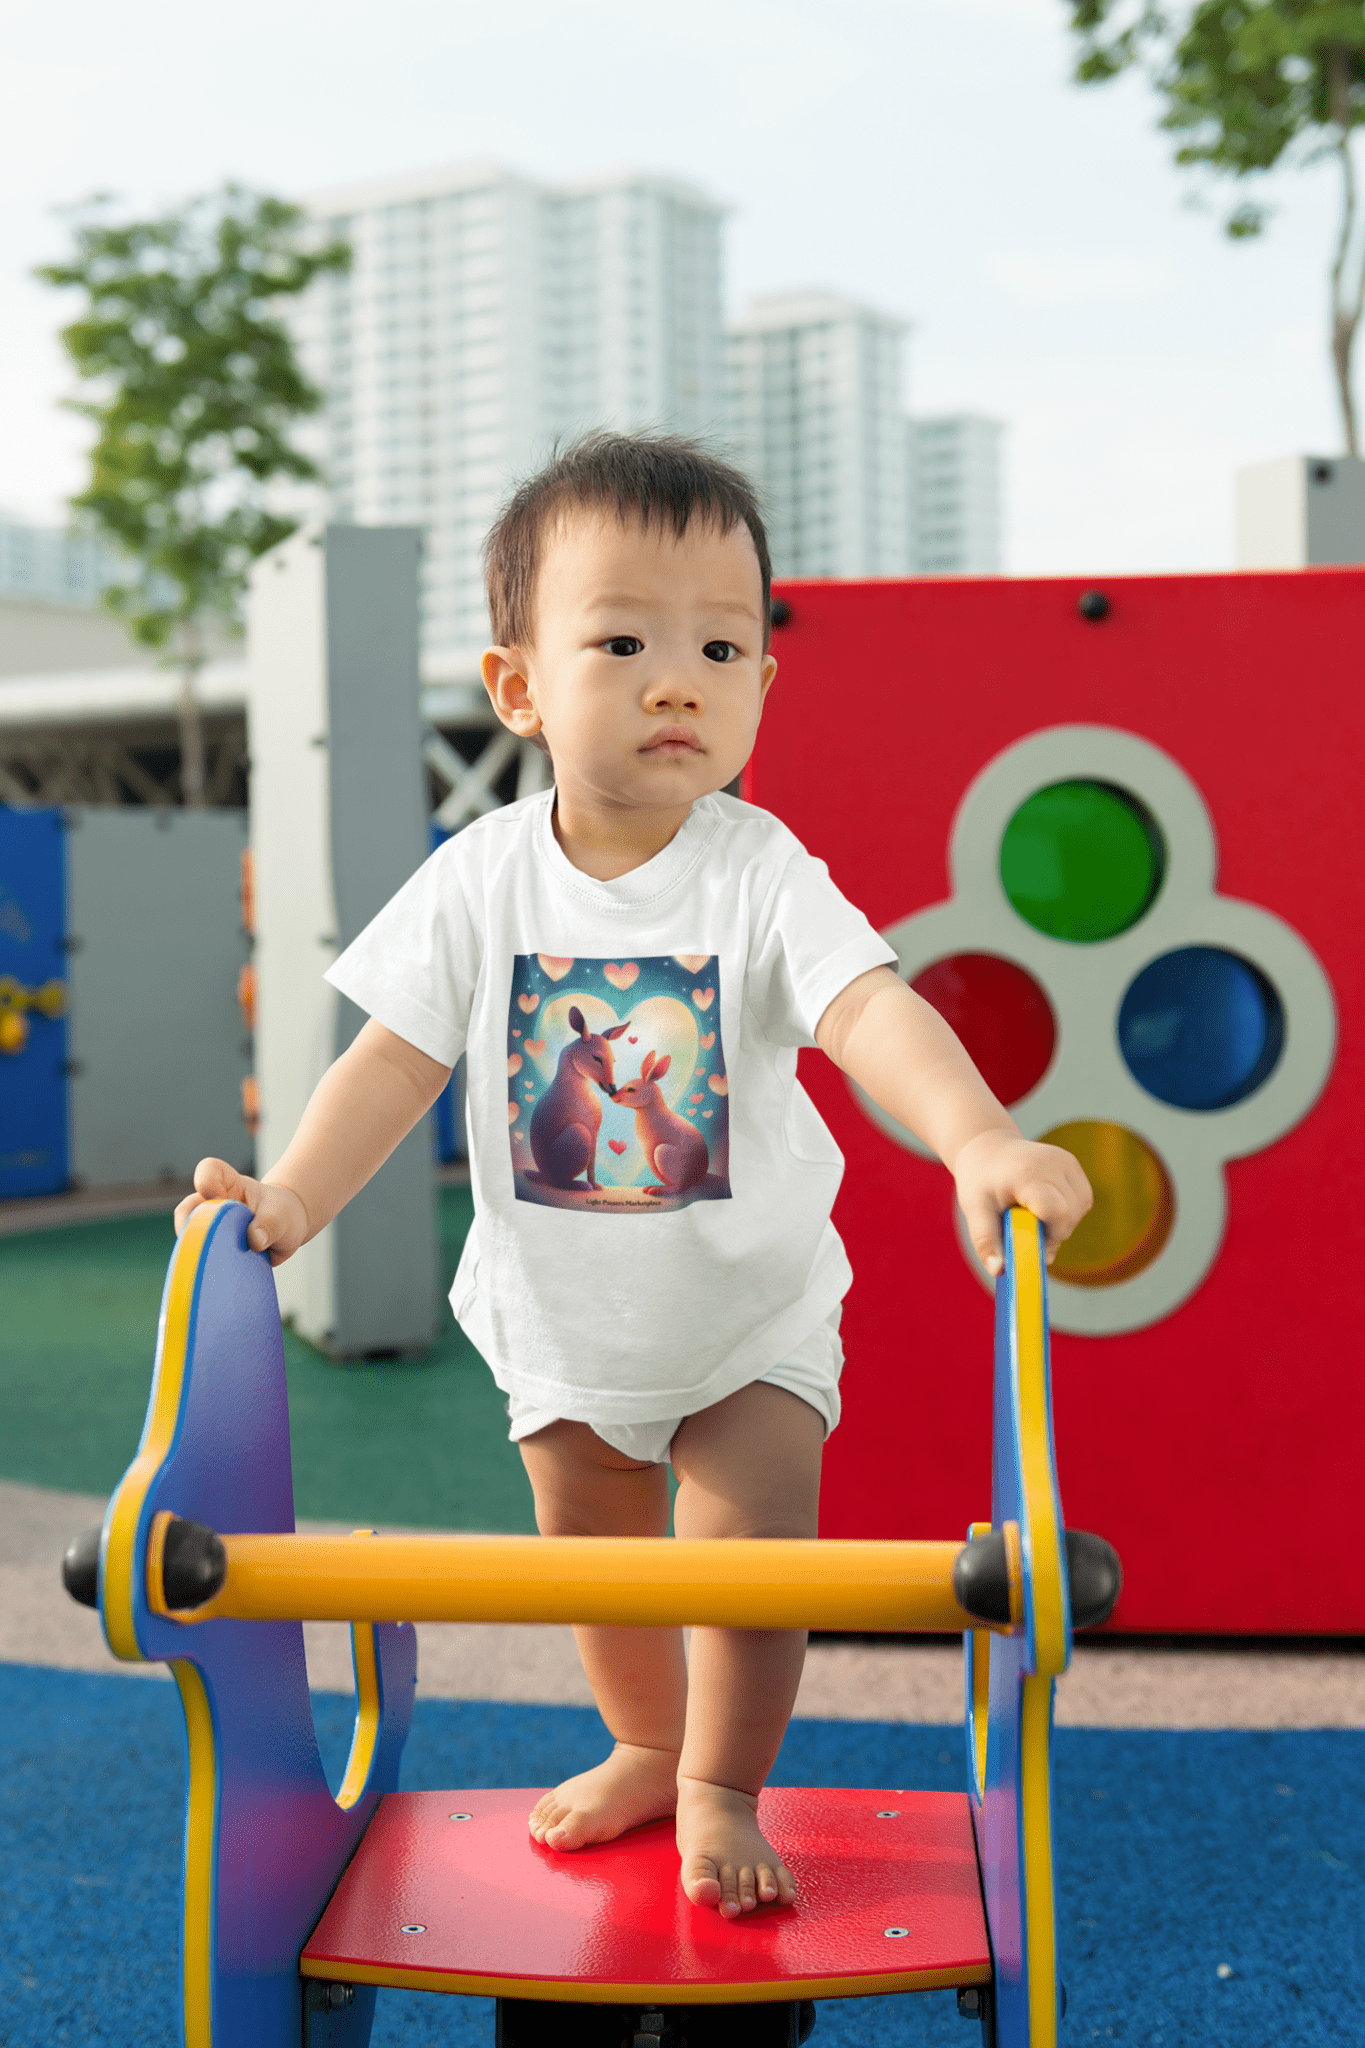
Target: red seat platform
[[447, 1892]]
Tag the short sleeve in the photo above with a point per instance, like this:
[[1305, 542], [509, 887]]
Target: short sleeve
[[808, 944], [415, 965]]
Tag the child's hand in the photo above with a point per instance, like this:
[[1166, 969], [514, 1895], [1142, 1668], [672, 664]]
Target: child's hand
[[997, 1170], [281, 1221]]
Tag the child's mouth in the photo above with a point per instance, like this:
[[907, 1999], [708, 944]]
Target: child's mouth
[[674, 739]]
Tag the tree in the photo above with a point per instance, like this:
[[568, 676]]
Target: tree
[[197, 387], [1250, 85]]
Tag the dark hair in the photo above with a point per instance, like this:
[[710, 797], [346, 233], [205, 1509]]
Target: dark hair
[[658, 478]]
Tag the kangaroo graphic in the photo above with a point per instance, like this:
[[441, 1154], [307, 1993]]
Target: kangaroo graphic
[[675, 1149], [568, 1117]]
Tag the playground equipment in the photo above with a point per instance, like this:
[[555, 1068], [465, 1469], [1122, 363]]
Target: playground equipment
[[297, 1904], [1130, 880]]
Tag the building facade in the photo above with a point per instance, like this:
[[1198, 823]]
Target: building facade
[[817, 418], [52, 564], [953, 462], [486, 316]]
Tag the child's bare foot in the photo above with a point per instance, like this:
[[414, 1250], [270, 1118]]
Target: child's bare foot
[[633, 1785], [725, 1860]]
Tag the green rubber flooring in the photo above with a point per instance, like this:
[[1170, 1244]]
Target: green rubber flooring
[[423, 1444]]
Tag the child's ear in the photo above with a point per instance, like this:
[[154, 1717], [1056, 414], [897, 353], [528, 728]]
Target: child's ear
[[505, 673]]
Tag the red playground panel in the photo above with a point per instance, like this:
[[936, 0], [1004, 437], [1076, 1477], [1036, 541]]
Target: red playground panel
[[447, 1893], [1119, 847]]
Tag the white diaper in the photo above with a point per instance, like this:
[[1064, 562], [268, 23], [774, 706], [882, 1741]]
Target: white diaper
[[811, 1372]]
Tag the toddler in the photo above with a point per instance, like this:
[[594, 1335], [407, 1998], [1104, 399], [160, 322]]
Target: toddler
[[630, 962]]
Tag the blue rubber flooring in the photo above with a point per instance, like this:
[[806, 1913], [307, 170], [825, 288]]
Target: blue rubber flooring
[[1211, 1885]]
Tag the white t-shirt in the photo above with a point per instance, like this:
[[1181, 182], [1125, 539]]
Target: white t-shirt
[[639, 1254]]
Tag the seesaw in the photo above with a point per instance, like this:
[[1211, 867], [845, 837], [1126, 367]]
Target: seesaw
[[297, 1904]]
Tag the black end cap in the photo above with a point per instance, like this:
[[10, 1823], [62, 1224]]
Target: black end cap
[[1096, 1576], [981, 1578], [193, 1565], [1093, 605], [781, 613], [81, 1566]]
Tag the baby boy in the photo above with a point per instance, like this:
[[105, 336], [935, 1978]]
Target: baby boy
[[630, 962]]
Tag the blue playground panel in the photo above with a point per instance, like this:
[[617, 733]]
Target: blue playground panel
[[34, 1157]]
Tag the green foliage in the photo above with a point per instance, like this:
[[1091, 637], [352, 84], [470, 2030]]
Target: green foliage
[[1244, 81], [198, 387]]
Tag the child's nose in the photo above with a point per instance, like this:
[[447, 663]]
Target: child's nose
[[672, 691]]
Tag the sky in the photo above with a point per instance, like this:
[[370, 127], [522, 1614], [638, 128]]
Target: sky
[[928, 156]]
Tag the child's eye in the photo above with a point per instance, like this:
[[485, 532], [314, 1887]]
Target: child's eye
[[720, 650], [624, 644]]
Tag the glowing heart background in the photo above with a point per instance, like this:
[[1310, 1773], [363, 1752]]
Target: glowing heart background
[[669, 1005]]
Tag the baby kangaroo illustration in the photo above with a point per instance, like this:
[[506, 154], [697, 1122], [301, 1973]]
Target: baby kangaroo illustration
[[675, 1149], [568, 1117]]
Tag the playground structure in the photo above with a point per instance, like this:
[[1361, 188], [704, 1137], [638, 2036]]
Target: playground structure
[[1110, 833], [297, 1904]]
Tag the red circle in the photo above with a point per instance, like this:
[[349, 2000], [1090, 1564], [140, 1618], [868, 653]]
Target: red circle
[[1000, 1014]]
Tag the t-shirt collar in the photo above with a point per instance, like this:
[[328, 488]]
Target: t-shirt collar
[[643, 884]]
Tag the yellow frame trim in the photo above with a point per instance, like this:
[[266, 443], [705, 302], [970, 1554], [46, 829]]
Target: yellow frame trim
[[1049, 1621], [201, 1816], [564, 1991], [125, 1510], [1040, 1928]]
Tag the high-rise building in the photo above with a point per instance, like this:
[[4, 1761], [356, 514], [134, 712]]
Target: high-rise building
[[53, 564], [954, 476], [485, 316], [817, 418]]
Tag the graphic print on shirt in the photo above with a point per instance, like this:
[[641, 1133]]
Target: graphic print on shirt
[[617, 1095]]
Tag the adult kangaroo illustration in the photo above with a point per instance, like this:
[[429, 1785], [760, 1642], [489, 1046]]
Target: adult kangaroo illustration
[[568, 1117]]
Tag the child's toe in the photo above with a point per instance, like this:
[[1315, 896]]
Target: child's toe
[[701, 1880]]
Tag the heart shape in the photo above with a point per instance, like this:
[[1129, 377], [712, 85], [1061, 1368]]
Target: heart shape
[[703, 997], [513, 1112], [708, 1112], [513, 1063], [718, 1085], [632, 1041], [516, 1034], [708, 1041], [528, 1003], [622, 977], [535, 1046], [692, 963], [616, 1145], [555, 964], [695, 1098]]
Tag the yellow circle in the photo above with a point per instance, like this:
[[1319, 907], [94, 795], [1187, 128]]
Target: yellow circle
[[1134, 1206]]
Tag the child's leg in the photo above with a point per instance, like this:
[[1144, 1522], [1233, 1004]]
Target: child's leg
[[750, 1466], [638, 1675]]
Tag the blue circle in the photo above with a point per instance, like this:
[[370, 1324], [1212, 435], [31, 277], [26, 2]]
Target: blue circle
[[1200, 1028]]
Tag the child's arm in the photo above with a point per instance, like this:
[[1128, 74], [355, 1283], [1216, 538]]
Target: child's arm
[[898, 1048], [361, 1108]]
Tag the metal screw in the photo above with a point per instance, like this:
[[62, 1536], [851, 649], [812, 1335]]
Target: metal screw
[[461, 1816], [888, 1813], [1093, 605], [413, 1927], [336, 1997], [895, 1933]]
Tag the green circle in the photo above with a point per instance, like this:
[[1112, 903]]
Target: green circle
[[1081, 861]]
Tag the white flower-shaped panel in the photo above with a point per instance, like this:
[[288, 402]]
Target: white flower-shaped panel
[[1092, 1078]]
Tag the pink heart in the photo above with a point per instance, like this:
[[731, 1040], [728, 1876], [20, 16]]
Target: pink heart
[[535, 1046], [632, 1041], [708, 1041], [692, 963], [702, 997], [514, 1063], [718, 1085], [528, 1003], [616, 1145], [708, 1112], [516, 1034], [621, 977], [555, 965], [695, 1098], [513, 1112]]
